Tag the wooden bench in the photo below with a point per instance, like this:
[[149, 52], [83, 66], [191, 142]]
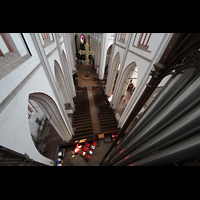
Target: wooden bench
[[106, 115], [81, 122]]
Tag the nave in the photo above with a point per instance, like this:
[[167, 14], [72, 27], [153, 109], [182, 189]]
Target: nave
[[91, 121]]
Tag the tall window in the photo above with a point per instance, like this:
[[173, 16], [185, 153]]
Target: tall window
[[122, 37], [5, 45], [82, 39], [44, 36], [143, 41], [46, 39]]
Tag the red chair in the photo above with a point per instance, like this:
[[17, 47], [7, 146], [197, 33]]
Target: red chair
[[83, 153], [76, 150], [87, 156], [92, 147], [94, 143], [85, 148], [87, 144], [114, 135], [90, 151], [79, 146]]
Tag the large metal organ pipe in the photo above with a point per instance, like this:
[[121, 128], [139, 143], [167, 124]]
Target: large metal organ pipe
[[169, 91], [172, 118], [186, 149], [183, 128]]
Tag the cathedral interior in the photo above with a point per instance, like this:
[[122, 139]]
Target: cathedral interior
[[100, 99]]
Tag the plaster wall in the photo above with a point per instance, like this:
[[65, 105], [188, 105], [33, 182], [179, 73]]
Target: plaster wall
[[3, 46], [27, 78], [17, 39], [14, 130]]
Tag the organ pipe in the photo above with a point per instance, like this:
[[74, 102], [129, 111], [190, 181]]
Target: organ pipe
[[169, 91], [179, 106], [186, 149], [186, 126]]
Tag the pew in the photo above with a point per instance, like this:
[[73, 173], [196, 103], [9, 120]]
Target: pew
[[81, 122], [106, 114]]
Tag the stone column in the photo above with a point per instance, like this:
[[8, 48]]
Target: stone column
[[66, 70], [116, 98], [40, 50], [109, 84], [41, 39], [104, 42], [68, 48]]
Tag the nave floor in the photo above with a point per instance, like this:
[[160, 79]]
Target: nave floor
[[54, 139]]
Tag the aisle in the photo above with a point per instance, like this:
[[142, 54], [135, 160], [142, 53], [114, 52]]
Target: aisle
[[94, 115]]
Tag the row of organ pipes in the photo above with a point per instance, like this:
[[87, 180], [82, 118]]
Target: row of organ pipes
[[169, 129]]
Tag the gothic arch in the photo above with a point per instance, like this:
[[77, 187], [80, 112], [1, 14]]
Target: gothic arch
[[118, 92], [69, 77], [108, 53], [50, 109], [112, 74], [60, 83]]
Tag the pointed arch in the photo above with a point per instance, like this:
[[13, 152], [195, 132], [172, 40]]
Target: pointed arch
[[108, 53], [50, 109], [60, 83], [112, 73], [118, 92]]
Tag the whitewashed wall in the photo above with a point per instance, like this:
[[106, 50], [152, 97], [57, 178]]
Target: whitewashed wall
[[15, 87]]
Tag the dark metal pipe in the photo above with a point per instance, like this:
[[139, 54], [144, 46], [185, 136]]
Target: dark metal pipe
[[164, 67], [184, 102], [183, 150], [168, 92], [181, 129]]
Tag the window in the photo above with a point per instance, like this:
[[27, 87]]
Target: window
[[122, 37], [143, 41], [82, 39], [47, 39], [30, 111], [44, 36], [5, 45]]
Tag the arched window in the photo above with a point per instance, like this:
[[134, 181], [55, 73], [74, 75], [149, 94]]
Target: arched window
[[82, 39], [122, 37], [5, 45], [47, 39], [143, 41]]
